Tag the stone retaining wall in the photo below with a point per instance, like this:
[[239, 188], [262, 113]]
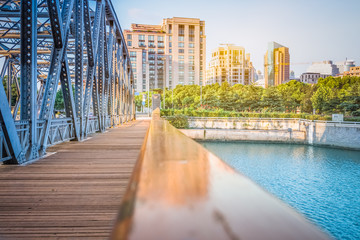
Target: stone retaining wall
[[345, 135]]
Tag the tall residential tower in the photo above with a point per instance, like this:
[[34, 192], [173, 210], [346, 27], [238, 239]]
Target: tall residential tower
[[230, 63], [171, 53], [277, 64]]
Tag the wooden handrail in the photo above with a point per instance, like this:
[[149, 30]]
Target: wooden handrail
[[179, 190]]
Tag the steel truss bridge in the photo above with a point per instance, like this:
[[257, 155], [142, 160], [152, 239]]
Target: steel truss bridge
[[47, 45]]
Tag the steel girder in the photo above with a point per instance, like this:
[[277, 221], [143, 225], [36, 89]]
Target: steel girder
[[73, 46]]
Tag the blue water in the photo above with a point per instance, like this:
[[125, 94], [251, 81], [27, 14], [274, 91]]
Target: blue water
[[321, 183]]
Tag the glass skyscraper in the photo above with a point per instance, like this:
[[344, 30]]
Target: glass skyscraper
[[277, 64]]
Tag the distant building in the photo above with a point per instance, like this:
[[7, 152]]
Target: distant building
[[312, 78], [231, 64], [259, 75], [354, 71], [292, 75], [345, 66], [171, 53], [260, 83], [324, 67], [277, 64]]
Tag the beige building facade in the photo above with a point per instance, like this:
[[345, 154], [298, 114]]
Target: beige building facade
[[168, 54], [230, 63], [354, 71]]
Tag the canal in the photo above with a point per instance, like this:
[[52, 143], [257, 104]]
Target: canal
[[321, 183]]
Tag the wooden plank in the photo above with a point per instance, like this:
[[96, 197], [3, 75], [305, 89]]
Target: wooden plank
[[75, 193]]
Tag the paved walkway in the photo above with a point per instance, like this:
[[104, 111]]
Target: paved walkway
[[74, 193]]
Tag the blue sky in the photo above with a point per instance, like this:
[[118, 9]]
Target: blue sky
[[314, 30]]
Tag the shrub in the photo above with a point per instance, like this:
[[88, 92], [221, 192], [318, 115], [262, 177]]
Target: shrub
[[352, 119], [179, 121], [190, 112], [356, 113]]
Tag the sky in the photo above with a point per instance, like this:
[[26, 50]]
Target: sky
[[313, 30]]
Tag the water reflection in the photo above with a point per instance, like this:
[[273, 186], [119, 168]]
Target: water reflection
[[322, 183]]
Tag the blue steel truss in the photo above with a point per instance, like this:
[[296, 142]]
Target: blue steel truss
[[47, 45]]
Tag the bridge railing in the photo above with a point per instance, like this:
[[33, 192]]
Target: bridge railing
[[4, 148], [179, 190], [61, 130]]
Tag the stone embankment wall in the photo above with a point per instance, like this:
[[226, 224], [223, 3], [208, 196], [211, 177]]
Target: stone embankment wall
[[337, 134]]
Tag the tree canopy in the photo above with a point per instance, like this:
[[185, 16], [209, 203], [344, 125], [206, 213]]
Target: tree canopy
[[329, 95]]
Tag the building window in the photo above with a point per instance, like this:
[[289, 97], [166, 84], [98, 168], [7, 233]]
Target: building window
[[191, 39], [129, 43], [181, 56], [181, 38], [191, 57], [170, 28], [132, 54], [170, 50], [160, 38], [129, 37], [181, 30], [142, 37], [191, 45], [181, 45], [201, 30], [151, 37], [170, 38], [181, 51], [191, 51], [170, 44], [191, 30]]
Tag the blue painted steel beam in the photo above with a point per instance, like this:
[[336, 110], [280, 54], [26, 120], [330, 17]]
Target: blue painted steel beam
[[92, 43], [28, 77], [57, 57], [79, 42], [9, 130]]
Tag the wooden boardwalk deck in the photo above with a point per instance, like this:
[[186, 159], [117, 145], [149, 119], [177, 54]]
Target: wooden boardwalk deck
[[74, 193]]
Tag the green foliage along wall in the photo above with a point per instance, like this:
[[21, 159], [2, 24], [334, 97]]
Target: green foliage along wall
[[330, 95]]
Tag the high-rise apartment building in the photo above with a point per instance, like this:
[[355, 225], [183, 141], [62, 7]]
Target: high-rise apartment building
[[171, 53], [277, 64], [230, 63]]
